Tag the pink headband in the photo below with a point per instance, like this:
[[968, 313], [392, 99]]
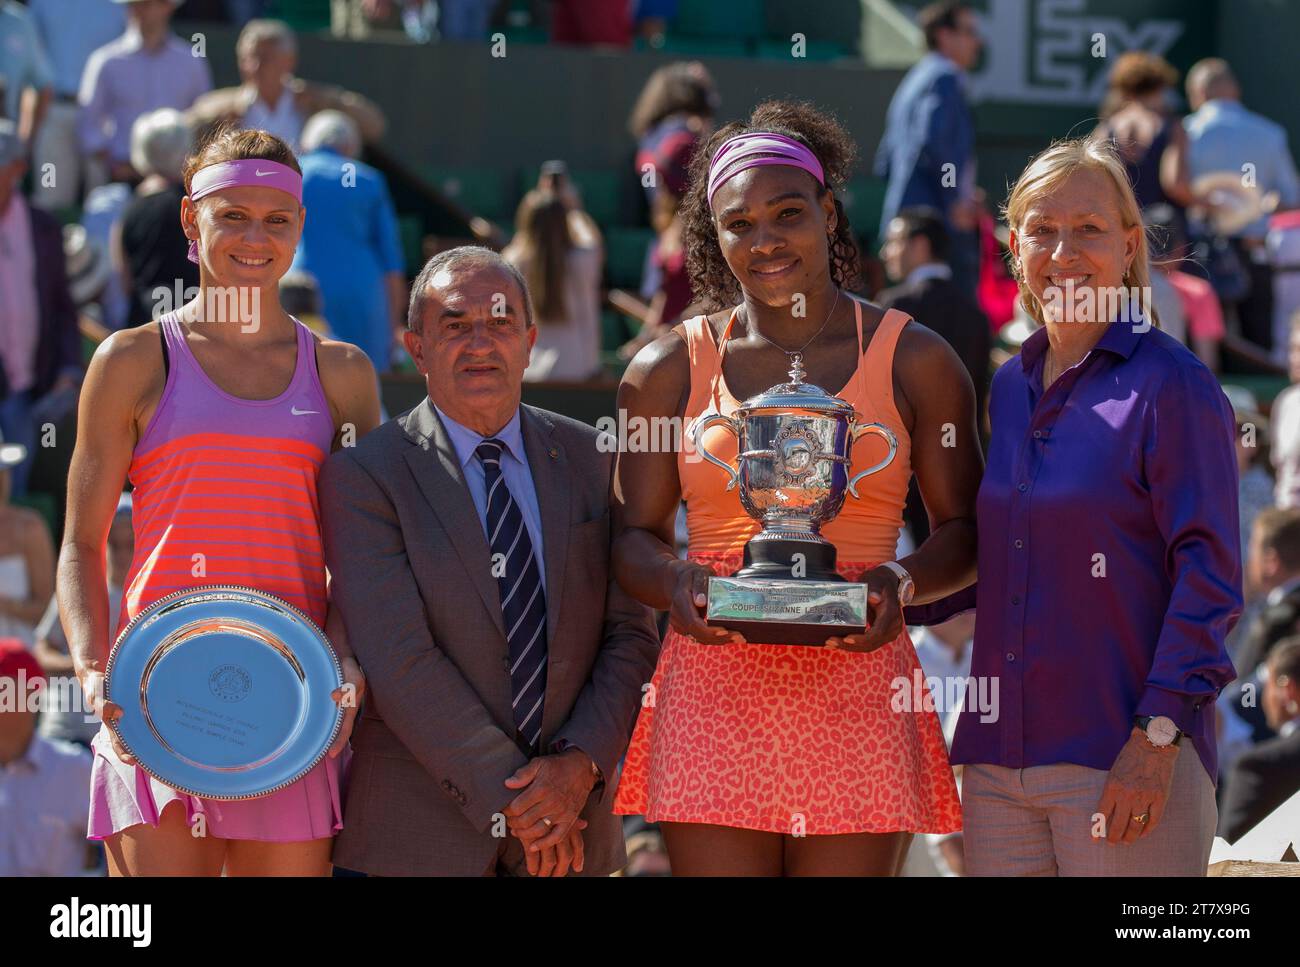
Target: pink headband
[[747, 151], [250, 172]]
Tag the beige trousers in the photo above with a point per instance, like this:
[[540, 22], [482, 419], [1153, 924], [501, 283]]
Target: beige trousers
[[1039, 821]]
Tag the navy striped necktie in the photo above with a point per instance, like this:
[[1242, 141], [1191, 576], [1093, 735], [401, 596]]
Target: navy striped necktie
[[523, 603]]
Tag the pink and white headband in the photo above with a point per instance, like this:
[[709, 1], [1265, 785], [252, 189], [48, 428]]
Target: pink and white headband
[[248, 172], [757, 148]]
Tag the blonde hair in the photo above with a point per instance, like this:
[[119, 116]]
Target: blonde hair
[[1047, 171]]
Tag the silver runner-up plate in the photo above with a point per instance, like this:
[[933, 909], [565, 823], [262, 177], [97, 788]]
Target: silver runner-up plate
[[225, 692], [793, 612]]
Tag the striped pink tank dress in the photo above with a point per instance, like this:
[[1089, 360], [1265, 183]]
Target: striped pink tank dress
[[226, 488]]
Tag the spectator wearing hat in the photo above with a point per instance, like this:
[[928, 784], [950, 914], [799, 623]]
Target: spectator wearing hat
[[88, 271], [1266, 776], [40, 349], [70, 31], [43, 782], [271, 98], [148, 243], [62, 715], [147, 68], [1224, 137]]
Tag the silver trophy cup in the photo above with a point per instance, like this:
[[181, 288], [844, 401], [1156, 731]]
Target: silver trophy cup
[[793, 443]]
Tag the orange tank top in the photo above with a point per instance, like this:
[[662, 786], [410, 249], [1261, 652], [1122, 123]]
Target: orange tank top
[[866, 530]]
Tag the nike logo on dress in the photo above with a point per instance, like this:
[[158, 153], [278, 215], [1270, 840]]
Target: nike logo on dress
[[297, 412]]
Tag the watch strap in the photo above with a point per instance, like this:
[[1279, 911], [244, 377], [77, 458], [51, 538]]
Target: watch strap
[[1143, 722], [906, 586]]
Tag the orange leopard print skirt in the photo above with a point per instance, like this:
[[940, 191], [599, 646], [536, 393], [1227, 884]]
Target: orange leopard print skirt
[[788, 739]]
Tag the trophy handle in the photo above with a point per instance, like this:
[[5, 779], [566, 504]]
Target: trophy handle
[[880, 430], [697, 435]]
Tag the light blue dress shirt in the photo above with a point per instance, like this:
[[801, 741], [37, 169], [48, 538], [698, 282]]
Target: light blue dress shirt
[[71, 31], [1223, 135], [23, 62], [514, 466]]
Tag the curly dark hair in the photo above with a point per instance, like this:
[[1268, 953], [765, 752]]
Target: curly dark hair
[[711, 278]]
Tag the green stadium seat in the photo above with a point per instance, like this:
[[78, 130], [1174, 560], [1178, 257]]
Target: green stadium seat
[[615, 329], [734, 20], [625, 254], [613, 365], [685, 46], [1264, 387], [410, 229], [486, 192], [520, 25], [862, 200], [525, 35], [601, 190], [815, 51], [303, 15]]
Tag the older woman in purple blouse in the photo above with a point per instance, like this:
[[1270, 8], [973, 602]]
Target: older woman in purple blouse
[[1109, 557]]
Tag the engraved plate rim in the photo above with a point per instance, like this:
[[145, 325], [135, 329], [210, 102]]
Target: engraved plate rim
[[251, 596]]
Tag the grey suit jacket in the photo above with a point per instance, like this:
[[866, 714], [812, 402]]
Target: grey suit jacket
[[411, 577]]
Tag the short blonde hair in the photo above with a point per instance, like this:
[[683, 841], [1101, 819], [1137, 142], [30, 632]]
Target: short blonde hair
[[1047, 171]]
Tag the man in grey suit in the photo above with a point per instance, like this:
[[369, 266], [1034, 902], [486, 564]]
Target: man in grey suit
[[468, 543]]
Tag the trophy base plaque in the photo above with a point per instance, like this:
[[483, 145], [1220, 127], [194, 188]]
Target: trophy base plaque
[[779, 598]]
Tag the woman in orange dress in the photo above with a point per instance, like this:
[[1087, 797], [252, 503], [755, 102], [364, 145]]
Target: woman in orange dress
[[767, 759]]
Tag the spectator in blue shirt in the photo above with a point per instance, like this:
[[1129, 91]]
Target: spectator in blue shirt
[[1223, 136], [350, 241], [927, 153], [25, 75]]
